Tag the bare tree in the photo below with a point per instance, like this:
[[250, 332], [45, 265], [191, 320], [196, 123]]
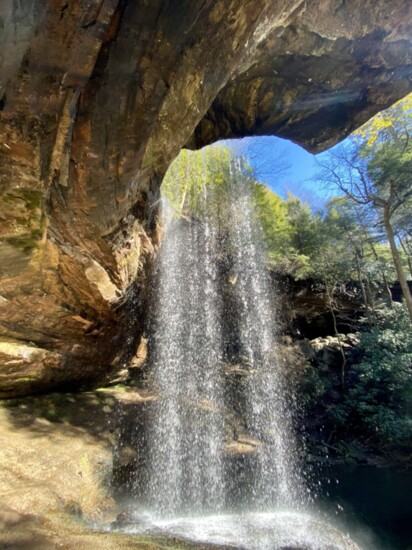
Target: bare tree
[[367, 183]]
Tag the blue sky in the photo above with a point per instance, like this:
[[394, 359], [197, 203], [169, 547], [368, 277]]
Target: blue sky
[[268, 154]]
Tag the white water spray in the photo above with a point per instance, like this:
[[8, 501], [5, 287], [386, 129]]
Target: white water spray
[[189, 472]]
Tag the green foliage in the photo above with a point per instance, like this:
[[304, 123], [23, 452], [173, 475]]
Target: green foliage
[[305, 236], [333, 246], [198, 184], [379, 401], [313, 386], [391, 162], [273, 216], [373, 172], [192, 176], [377, 404], [375, 410]]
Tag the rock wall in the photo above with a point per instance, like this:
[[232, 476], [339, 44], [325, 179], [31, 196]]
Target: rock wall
[[97, 97]]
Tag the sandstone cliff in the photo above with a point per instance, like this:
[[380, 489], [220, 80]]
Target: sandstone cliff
[[96, 99]]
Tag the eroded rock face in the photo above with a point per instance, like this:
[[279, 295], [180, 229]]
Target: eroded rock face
[[318, 77], [96, 99]]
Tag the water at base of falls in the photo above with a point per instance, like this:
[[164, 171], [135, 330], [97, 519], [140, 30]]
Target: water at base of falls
[[252, 531], [213, 358]]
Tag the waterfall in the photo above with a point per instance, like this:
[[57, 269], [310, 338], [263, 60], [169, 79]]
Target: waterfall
[[219, 453], [187, 432], [275, 479]]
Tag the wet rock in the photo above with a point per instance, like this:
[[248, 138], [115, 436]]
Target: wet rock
[[130, 519], [126, 456], [328, 350], [73, 508], [241, 448]]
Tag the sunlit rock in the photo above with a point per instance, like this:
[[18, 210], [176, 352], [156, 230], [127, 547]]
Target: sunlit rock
[[96, 99]]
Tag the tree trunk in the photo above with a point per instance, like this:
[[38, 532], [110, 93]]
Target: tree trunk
[[330, 293], [408, 258], [397, 261], [363, 290], [371, 300], [385, 280]]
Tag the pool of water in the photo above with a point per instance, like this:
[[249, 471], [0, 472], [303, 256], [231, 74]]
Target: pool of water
[[375, 503], [252, 531], [359, 508]]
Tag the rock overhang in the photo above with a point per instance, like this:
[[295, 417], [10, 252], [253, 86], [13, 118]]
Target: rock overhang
[[96, 100]]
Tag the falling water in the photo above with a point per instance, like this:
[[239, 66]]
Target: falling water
[[186, 438], [190, 488], [275, 479]]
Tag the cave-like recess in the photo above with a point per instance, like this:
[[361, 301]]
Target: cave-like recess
[[97, 97]]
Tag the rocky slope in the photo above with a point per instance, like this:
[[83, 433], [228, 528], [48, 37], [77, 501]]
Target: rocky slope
[[96, 99], [55, 473]]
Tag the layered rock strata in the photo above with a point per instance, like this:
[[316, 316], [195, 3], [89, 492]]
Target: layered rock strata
[[97, 97]]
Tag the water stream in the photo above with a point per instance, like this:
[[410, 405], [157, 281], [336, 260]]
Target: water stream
[[216, 315], [275, 479], [186, 431]]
